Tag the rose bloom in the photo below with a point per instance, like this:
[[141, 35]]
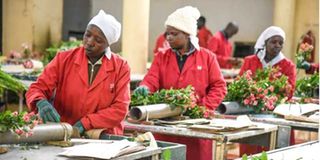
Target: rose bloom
[[15, 113], [271, 88], [246, 101], [26, 118], [208, 113], [248, 74], [255, 103], [28, 134], [19, 131]]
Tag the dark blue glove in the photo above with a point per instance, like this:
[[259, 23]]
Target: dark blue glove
[[79, 126], [47, 112], [305, 65], [142, 90]]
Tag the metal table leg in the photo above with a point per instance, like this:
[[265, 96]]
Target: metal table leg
[[220, 152]]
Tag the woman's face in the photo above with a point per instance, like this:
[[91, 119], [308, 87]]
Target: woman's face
[[176, 38], [274, 45], [94, 42]]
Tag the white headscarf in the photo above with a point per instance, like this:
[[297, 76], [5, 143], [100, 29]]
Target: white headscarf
[[110, 27], [185, 19], [261, 48]]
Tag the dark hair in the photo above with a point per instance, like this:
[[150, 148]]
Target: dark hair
[[201, 22], [202, 19]]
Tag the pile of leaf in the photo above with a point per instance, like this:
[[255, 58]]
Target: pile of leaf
[[10, 83], [184, 98]]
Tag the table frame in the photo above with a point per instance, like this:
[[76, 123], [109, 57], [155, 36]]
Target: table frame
[[265, 137]]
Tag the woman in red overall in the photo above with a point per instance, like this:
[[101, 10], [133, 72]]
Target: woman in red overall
[[185, 63], [268, 53], [89, 85]]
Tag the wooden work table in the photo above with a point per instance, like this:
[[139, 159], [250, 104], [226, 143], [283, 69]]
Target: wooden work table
[[266, 136]]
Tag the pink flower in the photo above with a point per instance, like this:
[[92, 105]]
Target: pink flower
[[271, 88], [255, 103], [252, 97], [15, 113], [261, 96], [31, 114], [28, 134], [208, 113], [270, 106], [19, 131], [259, 89], [26, 118], [278, 74], [246, 101], [248, 74]]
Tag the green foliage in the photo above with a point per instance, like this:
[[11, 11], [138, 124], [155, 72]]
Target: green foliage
[[54, 49], [306, 85], [10, 83], [263, 156], [184, 98], [166, 154]]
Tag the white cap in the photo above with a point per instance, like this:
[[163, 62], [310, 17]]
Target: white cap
[[268, 33], [184, 19], [110, 27]]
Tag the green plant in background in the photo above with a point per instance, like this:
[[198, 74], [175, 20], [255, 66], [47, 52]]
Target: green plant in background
[[54, 49], [306, 87], [10, 83], [262, 91], [184, 97], [263, 156]]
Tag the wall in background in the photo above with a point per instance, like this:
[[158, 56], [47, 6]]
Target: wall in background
[[113, 7], [35, 22], [252, 16]]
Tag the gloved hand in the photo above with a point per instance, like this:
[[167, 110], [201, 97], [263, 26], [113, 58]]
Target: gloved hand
[[47, 112], [304, 65], [79, 126], [142, 90]]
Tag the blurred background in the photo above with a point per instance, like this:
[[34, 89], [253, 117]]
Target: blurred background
[[43, 23]]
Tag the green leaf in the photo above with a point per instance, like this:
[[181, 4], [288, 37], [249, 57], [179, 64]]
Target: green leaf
[[166, 154], [264, 156]]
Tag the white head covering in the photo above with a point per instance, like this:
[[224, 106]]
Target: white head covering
[[261, 48], [185, 19], [110, 27]]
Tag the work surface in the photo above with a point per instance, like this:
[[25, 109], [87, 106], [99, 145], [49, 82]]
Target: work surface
[[51, 152], [218, 136]]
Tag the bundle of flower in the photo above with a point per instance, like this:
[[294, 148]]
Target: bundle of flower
[[304, 53], [262, 91], [184, 98], [19, 123], [307, 87]]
